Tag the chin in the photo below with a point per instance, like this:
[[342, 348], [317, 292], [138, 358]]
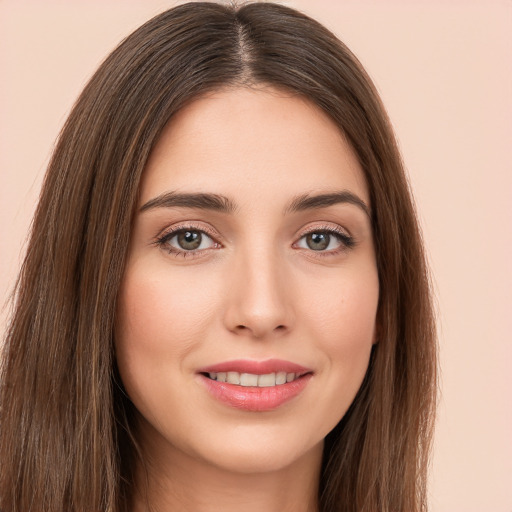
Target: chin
[[263, 458]]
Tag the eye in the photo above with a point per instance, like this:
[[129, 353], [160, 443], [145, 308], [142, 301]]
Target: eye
[[325, 241], [186, 240]]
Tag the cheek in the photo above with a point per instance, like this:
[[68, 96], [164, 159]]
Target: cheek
[[160, 319], [342, 320], [344, 308], [155, 308]]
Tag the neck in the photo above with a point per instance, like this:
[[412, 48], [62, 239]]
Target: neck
[[177, 481]]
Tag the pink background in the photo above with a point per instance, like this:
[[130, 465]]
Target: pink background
[[444, 70]]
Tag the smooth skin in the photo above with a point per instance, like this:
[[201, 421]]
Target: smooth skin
[[260, 275]]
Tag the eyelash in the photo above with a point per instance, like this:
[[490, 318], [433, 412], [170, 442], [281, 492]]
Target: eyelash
[[346, 241], [163, 241]]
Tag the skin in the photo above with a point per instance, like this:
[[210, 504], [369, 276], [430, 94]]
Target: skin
[[253, 290]]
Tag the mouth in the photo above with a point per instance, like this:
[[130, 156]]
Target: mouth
[[254, 380], [255, 385]]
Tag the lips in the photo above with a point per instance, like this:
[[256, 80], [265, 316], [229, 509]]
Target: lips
[[255, 385], [256, 367]]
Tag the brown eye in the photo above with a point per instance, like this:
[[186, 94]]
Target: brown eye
[[318, 241], [186, 240], [189, 240], [325, 240]]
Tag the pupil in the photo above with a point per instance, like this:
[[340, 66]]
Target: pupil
[[189, 240], [318, 241]]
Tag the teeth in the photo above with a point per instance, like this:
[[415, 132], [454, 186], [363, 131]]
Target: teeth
[[248, 379], [233, 378], [252, 380], [266, 381], [281, 377]]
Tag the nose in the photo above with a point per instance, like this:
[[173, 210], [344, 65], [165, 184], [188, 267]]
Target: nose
[[259, 301]]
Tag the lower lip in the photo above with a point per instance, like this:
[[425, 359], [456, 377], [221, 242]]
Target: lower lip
[[255, 398]]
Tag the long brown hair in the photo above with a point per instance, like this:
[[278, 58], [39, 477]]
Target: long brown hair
[[65, 442]]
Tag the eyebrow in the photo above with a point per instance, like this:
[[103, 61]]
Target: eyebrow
[[220, 203], [311, 202], [200, 201]]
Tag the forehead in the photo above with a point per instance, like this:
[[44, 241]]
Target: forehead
[[252, 144]]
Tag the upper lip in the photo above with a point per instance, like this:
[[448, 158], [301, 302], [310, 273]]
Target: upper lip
[[256, 367]]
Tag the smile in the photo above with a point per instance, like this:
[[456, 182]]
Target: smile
[[255, 386], [254, 380]]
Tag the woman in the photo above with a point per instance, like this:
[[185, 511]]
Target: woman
[[224, 301]]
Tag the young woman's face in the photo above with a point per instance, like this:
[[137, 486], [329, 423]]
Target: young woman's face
[[247, 310]]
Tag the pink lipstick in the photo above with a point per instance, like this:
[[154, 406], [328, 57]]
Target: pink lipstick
[[255, 385]]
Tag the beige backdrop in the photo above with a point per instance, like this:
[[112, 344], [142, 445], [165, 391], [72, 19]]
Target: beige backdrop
[[445, 74]]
